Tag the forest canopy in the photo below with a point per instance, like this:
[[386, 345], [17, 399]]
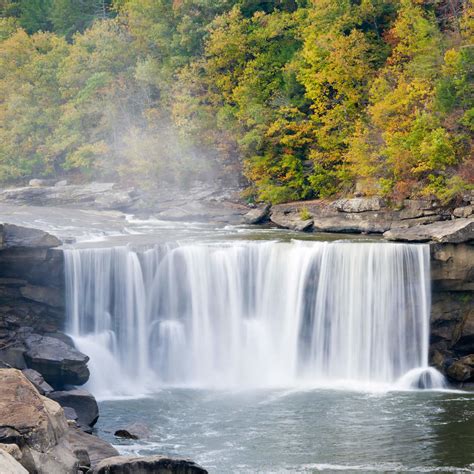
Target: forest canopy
[[304, 98]]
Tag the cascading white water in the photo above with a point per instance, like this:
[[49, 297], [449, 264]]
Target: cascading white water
[[250, 314]]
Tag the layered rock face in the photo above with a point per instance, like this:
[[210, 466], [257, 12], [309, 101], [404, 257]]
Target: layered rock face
[[452, 313], [32, 308]]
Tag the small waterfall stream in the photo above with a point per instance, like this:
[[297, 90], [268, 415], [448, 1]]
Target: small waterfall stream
[[251, 314]]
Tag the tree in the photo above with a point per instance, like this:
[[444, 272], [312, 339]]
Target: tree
[[71, 16], [34, 15]]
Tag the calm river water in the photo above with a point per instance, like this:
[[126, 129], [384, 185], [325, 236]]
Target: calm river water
[[283, 431]]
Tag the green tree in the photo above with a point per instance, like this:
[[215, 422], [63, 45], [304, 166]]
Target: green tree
[[71, 16], [34, 15]]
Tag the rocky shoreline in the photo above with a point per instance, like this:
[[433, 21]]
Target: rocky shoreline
[[51, 429]]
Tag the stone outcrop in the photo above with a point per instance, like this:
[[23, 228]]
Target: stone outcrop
[[34, 423], [45, 193], [83, 403], [454, 231], [356, 215], [35, 433], [452, 310], [257, 215], [59, 363], [147, 464]]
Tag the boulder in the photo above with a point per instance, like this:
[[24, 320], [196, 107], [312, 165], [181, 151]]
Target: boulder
[[83, 403], [147, 464], [57, 362], [18, 236], [359, 204], [462, 370], [455, 231], [290, 220], [257, 215], [9, 465], [13, 450], [97, 449], [36, 424], [463, 211], [38, 381], [133, 431], [60, 184]]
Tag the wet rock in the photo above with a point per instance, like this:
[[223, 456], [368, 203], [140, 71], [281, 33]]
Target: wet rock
[[463, 211], [18, 236], [359, 204], [60, 184], [83, 403], [462, 370], [456, 231], [38, 381], [133, 431], [147, 464], [257, 215], [57, 362]]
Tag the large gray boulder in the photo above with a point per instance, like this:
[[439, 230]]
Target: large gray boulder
[[17, 236], [59, 363], [148, 465], [257, 215], [454, 231], [83, 403]]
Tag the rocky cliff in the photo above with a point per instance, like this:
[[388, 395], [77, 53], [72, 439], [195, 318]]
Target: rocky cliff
[[452, 313]]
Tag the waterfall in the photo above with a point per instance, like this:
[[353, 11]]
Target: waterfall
[[251, 314]]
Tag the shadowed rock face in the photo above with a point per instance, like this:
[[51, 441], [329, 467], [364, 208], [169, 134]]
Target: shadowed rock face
[[452, 310], [83, 403], [57, 362]]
